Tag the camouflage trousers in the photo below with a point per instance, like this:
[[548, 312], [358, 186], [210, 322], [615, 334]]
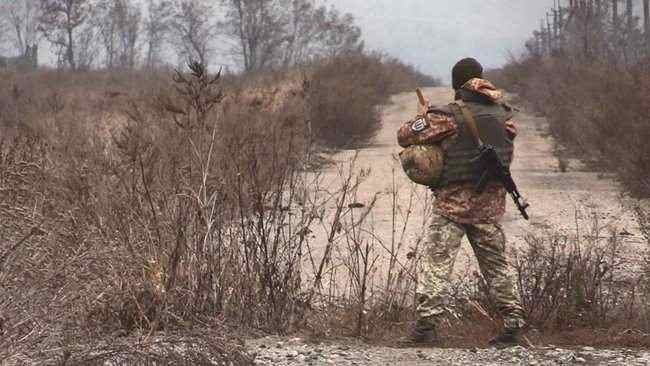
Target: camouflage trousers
[[441, 247]]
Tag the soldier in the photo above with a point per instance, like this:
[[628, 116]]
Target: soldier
[[460, 211]]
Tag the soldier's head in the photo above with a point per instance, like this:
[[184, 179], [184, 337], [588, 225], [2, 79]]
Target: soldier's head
[[465, 70]]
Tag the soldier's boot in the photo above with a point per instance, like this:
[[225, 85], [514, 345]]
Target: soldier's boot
[[424, 334], [509, 337]]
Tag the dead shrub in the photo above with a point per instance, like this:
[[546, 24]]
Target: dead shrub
[[573, 285], [179, 216], [365, 286], [343, 98], [567, 283], [148, 209], [575, 288], [345, 94]]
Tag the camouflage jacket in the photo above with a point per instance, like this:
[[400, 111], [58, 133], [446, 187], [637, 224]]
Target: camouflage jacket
[[459, 202]]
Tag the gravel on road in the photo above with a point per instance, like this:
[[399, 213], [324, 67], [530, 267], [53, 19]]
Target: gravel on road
[[296, 351]]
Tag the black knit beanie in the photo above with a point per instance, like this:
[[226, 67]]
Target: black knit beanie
[[465, 70]]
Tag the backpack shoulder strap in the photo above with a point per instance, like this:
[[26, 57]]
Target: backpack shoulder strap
[[470, 121]]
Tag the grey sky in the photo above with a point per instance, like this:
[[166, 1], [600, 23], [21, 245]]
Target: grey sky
[[434, 34]]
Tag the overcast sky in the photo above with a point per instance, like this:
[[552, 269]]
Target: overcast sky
[[434, 34]]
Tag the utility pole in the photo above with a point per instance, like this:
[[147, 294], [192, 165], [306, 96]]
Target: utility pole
[[561, 25], [646, 23], [549, 33], [615, 15], [629, 14], [560, 16], [536, 43], [544, 37], [556, 23]]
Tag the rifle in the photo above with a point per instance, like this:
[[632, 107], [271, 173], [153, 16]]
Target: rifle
[[491, 165], [493, 168]]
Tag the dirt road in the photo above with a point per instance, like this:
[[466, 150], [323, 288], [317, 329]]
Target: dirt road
[[295, 352]]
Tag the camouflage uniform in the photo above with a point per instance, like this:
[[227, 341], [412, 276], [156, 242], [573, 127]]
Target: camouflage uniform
[[460, 211], [489, 244]]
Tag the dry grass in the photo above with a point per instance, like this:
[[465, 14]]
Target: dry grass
[[141, 216], [345, 93], [575, 289], [368, 286]]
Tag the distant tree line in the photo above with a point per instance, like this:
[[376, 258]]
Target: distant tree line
[[615, 31], [128, 34], [588, 71]]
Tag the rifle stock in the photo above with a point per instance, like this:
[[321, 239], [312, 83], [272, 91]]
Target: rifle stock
[[421, 99]]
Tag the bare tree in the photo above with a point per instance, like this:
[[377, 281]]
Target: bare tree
[[157, 27], [105, 20], [86, 47], [258, 28], [129, 18], [319, 32], [118, 22], [599, 7], [646, 22], [615, 18], [60, 21], [4, 28], [302, 29], [193, 29], [280, 33], [629, 15], [21, 19], [341, 35]]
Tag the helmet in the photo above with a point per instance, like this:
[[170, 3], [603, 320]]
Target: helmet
[[423, 164]]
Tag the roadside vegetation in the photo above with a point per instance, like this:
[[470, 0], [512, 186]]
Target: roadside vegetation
[[172, 208], [150, 215], [590, 75]]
